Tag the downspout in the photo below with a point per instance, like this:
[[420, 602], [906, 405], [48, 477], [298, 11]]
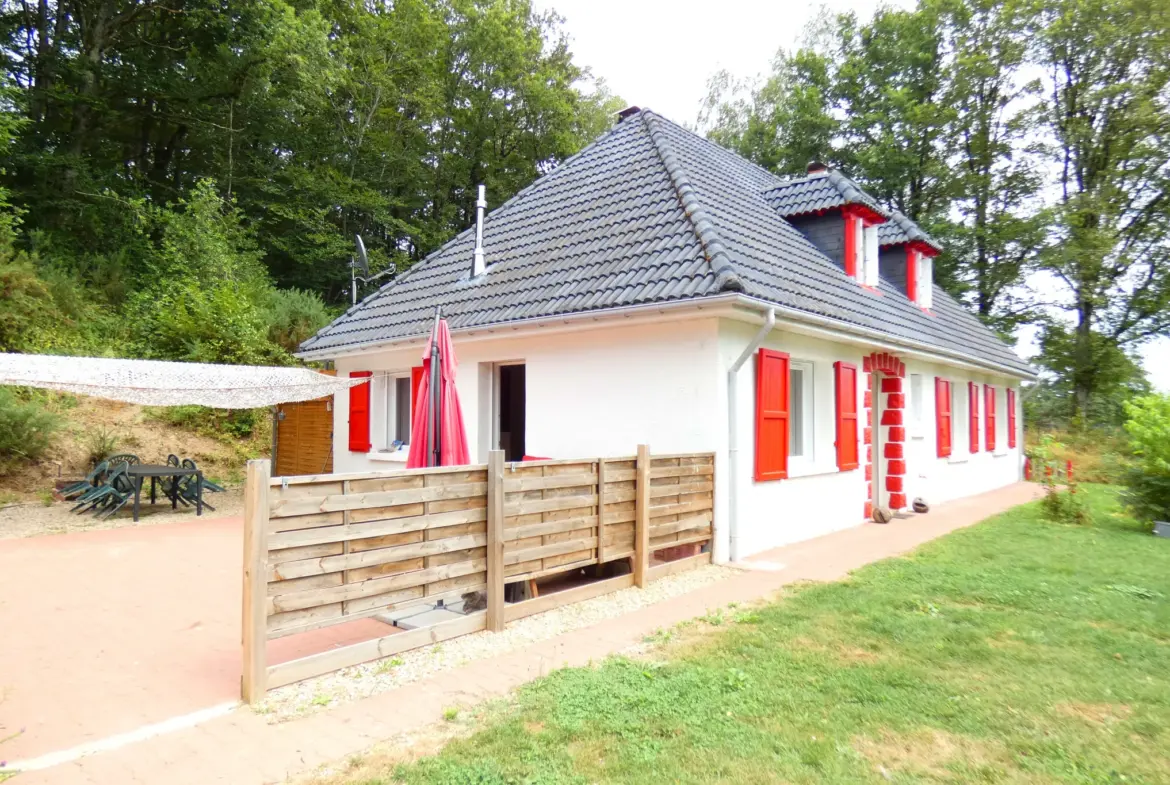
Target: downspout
[[733, 430]]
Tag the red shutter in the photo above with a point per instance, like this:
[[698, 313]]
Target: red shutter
[[942, 415], [1011, 413], [852, 244], [989, 415], [359, 413], [846, 375], [973, 404], [416, 375], [771, 415], [912, 274]]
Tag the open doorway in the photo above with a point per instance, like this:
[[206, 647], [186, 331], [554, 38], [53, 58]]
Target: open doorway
[[509, 414], [880, 495]]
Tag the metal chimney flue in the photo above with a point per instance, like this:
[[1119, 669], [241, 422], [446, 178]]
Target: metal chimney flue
[[477, 266]]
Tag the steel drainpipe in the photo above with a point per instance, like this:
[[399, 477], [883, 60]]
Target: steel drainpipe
[[732, 432]]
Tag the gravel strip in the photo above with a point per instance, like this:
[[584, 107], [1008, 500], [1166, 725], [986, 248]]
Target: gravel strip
[[371, 678]]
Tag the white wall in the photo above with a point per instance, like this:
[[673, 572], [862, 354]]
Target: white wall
[[964, 473], [604, 390], [816, 498], [598, 392]]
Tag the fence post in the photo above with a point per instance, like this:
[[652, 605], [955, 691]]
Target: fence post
[[254, 680], [642, 516], [600, 511], [495, 541]]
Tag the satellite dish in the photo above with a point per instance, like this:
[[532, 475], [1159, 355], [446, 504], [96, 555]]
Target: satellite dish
[[362, 260]]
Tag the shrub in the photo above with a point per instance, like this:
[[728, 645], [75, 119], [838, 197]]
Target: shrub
[[294, 316], [99, 445], [1148, 480], [26, 428], [1060, 506]]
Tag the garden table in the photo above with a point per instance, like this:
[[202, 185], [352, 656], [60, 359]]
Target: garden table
[[139, 472]]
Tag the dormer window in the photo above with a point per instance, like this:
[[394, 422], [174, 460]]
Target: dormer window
[[920, 275], [861, 244]]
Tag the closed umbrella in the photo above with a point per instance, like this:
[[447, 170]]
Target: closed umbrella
[[438, 437]]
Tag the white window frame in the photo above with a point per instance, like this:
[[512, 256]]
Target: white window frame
[[925, 280], [870, 250], [385, 396], [917, 406], [960, 422], [807, 457]]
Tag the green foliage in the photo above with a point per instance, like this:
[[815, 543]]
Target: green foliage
[[293, 316], [1005, 652], [1060, 505], [1148, 480], [26, 428], [225, 424], [100, 444]]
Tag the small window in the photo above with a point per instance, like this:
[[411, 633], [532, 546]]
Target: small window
[[925, 282], [917, 410], [959, 420], [800, 386], [869, 261], [402, 409]]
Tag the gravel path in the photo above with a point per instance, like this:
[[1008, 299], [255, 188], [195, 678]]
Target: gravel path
[[34, 519], [362, 681]]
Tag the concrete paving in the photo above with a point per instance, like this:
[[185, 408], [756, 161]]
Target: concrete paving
[[243, 749]]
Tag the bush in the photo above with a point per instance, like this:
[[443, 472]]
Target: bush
[[99, 445], [26, 429], [1148, 480], [224, 424], [294, 316], [1060, 506]]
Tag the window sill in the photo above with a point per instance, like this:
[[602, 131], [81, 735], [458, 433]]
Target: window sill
[[956, 461], [399, 456], [999, 454], [800, 472]]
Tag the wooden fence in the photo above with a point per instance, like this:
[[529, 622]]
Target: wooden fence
[[322, 550]]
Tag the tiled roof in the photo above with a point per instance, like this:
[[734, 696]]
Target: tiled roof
[[817, 192], [900, 229], [648, 213]]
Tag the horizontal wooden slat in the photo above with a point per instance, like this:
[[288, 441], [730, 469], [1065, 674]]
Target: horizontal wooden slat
[[681, 471], [335, 659], [286, 508], [551, 481], [311, 479], [552, 549], [548, 527], [679, 508], [577, 594], [678, 489], [367, 588], [698, 457], [363, 531], [658, 543], [670, 527], [351, 561], [555, 504], [681, 565]]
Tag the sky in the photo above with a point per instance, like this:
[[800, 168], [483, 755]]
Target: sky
[[660, 55]]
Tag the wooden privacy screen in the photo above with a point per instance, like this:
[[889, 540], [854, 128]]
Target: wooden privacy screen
[[326, 549]]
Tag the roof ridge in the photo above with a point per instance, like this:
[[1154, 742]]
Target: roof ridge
[[726, 278]]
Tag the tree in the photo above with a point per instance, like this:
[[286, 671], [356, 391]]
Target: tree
[[1107, 66]]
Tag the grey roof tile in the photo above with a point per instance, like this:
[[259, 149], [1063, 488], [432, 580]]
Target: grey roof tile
[[650, 213], [900, 229]]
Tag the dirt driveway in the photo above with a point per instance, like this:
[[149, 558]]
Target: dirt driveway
[[106, 631]]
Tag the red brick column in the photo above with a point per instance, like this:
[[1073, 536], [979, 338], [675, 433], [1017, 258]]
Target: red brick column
[[867, 404], [893, 451]]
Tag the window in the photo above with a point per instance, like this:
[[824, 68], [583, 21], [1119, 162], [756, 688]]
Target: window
[[917, 409], [973, 426], [402, 410], [800, 394], [959, 421], [772, 388], [359, 413], [942, 416], [846, 394], [989, 415], [924, 281], [1011, 417], [869, 262]]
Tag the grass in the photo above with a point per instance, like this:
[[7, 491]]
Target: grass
[[1015, 651]]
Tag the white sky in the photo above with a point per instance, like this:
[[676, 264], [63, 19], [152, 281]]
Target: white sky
[[659, 54]]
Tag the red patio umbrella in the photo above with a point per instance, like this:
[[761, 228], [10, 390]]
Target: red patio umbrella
[[438, 437]]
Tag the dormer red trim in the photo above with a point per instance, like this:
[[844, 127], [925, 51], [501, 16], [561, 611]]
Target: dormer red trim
[[923, 248], [868, 216]]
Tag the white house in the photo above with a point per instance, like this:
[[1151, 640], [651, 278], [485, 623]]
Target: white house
[[656, 288]]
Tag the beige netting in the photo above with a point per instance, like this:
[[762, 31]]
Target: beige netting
[[158, 383]]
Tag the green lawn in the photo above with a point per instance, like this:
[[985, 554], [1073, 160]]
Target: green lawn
[[1013, 651]]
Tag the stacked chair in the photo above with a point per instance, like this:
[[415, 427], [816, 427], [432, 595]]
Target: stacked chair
[[108, 488]]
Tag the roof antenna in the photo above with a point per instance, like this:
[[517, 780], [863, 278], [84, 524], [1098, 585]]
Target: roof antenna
[[477, 266]]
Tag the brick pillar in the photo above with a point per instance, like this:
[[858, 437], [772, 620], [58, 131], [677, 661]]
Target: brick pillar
[[894, 450], [867, 367]]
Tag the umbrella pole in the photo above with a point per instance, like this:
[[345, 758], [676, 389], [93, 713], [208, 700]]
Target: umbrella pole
[[436, 396]]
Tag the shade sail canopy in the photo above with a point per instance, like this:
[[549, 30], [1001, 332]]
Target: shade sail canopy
[[159, 383]]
